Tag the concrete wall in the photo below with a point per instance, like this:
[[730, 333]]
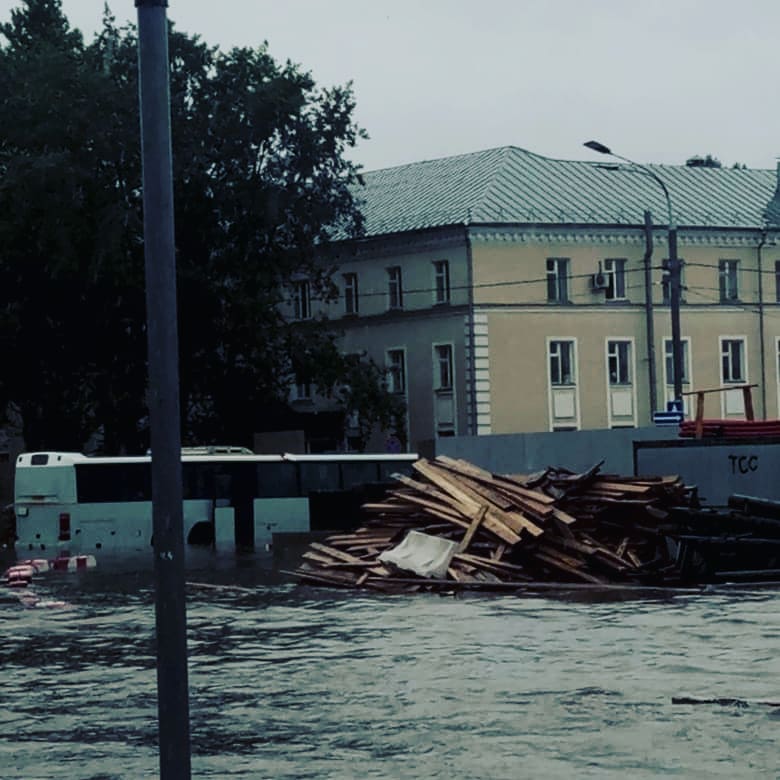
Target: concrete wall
[[719, 468], [524, 453]]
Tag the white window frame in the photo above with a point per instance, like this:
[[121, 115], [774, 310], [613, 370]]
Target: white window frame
[[396, 370], [777, 372], [443, 355], [441, 282], [726, 355], [351, 305], [395, 289], [728, 280], [443, 367], [555, 361], [557, 279], [669, 358], [666, 283], [628, 358], [302, 299], [558, 392], [777, 281], [615, 270]]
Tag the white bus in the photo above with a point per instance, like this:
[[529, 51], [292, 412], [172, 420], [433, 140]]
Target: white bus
[[74, 503]]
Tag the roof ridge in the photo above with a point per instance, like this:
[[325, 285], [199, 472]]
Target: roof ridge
[[498, 172], [461, 156]]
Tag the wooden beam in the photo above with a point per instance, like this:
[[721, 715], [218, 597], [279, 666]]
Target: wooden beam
[[472, 529]]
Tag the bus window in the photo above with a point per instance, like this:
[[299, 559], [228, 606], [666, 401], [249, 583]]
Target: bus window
[[113, 482]]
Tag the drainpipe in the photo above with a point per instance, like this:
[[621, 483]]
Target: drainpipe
[[762, 356], [651, 376], [472, 402]]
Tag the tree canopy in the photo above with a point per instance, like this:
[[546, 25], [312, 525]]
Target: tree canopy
[[260, 182], [697, 161]]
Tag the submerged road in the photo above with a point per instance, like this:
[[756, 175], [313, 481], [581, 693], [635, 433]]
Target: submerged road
[[294, 682]]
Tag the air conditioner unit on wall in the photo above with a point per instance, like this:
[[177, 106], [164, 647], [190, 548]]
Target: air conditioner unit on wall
[[599, 281]]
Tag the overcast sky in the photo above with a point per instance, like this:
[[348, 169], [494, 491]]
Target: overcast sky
[[657, 81]]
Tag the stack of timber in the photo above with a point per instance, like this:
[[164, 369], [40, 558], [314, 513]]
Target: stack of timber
[[509, 531], [728, 429]]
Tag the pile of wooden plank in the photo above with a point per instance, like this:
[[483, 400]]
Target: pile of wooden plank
[[509, 530]]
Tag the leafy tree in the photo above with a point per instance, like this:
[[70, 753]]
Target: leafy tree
[[260, 183], [64, 236], [355, 383], [362, 395]]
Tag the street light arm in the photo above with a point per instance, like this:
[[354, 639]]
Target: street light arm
[[602, 149]]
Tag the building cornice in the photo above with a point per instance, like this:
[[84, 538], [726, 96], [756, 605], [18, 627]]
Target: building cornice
[[433, 240], [401, 315], [618, 236]]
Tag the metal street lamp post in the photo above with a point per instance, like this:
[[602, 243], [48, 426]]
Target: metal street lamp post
[[673, 267]]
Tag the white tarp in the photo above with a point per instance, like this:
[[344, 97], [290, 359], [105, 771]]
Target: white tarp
[[428, 556]]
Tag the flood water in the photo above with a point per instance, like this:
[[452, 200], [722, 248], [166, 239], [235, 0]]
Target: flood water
[[298, 682]]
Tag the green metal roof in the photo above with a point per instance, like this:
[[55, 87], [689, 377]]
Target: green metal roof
[[512, 186]]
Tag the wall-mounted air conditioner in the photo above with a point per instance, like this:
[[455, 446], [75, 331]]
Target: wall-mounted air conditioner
[[599, 281]]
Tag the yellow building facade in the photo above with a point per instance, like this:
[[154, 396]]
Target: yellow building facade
[[506, 292]]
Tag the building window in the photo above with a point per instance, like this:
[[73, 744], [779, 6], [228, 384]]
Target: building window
[[727, 274], [443, 367], [666, 285], [616, 279], [302, 300], [619, 362], [562, 363], [732, 359], [396, 371], [558, 280], [441, 281], [302, 390], [669, 361], [350, 294], [395, 293], [777, 281], [777, 346]]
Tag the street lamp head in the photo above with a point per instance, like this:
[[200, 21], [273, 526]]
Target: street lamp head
[[598, 147]]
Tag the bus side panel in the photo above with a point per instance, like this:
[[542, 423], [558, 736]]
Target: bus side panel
[[279, 515], [107, 527], [99, 526], [56, 484]]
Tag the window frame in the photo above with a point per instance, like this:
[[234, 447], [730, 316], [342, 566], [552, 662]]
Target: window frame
[[726, 354], [441, 282], [556, 361], [302, 300], [395, 288], [615, 270], [557, 279], [728, 280], [395, 371], [444, 367], [777, 281], [351, 294], [302, 390], [668, 345], [666, 282], [620, 351]]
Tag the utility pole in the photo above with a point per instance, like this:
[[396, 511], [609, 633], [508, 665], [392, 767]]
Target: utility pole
[[673, 267], [649, 324], [162, 334], [674, 308]]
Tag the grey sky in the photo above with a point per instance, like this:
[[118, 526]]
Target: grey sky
[[657, 81]]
